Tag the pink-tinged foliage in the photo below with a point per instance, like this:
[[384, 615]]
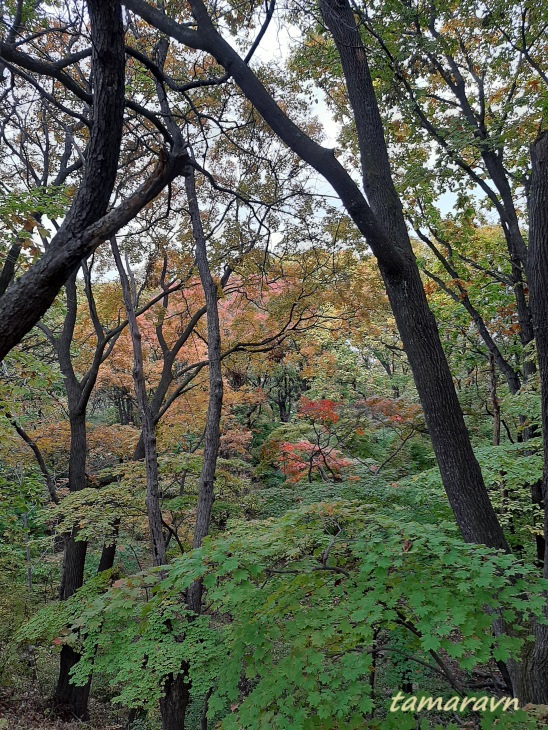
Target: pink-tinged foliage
[[303, 459]]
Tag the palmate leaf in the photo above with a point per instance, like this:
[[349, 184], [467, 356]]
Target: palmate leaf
[[292, 610]]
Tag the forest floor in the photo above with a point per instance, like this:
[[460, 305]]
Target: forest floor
[[29, 710]]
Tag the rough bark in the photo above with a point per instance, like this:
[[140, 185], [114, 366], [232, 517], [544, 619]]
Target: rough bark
[[26, 300], [8, 270], [460, 471], [534, 677]]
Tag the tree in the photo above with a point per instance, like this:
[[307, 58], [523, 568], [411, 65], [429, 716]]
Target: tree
[[376, 211], [380, 219], [87, 223], [536, 666], [381, 222]]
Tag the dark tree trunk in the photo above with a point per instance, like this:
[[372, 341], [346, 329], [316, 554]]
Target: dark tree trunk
[[108, 555], [213, 420], [8, 270], [534, 677], [27, 299], [459, 468], [460, 471], [69, 700], [174, 704], [108, 552], [494, 401]]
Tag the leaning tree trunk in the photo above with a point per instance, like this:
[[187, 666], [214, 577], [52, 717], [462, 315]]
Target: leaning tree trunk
[[533, 686], [460, 471]]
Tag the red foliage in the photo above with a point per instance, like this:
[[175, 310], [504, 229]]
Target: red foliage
[[319, 411], [391, 412], [302, 459]]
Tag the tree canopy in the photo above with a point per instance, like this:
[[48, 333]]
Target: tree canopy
[[274, 363]]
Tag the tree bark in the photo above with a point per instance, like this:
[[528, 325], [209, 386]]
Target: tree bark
[[108, 553], [26, 300], [147, 424], [494, 401], [534, 677], [69, 700], [460, 471], [174, 703], [212, 436]]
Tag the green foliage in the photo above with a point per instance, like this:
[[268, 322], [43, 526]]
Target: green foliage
[[95, 511], [293, 608], [50, 201]]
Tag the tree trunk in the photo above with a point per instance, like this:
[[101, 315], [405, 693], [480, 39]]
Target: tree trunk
[[494, 401], [459, 468], [213, 421], [460, 471], [147, 425], [28, 298], [174, 703], [69, 700], [108, 553], [534, 677]]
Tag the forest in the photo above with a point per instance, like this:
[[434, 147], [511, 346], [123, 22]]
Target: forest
[[273, 364]]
